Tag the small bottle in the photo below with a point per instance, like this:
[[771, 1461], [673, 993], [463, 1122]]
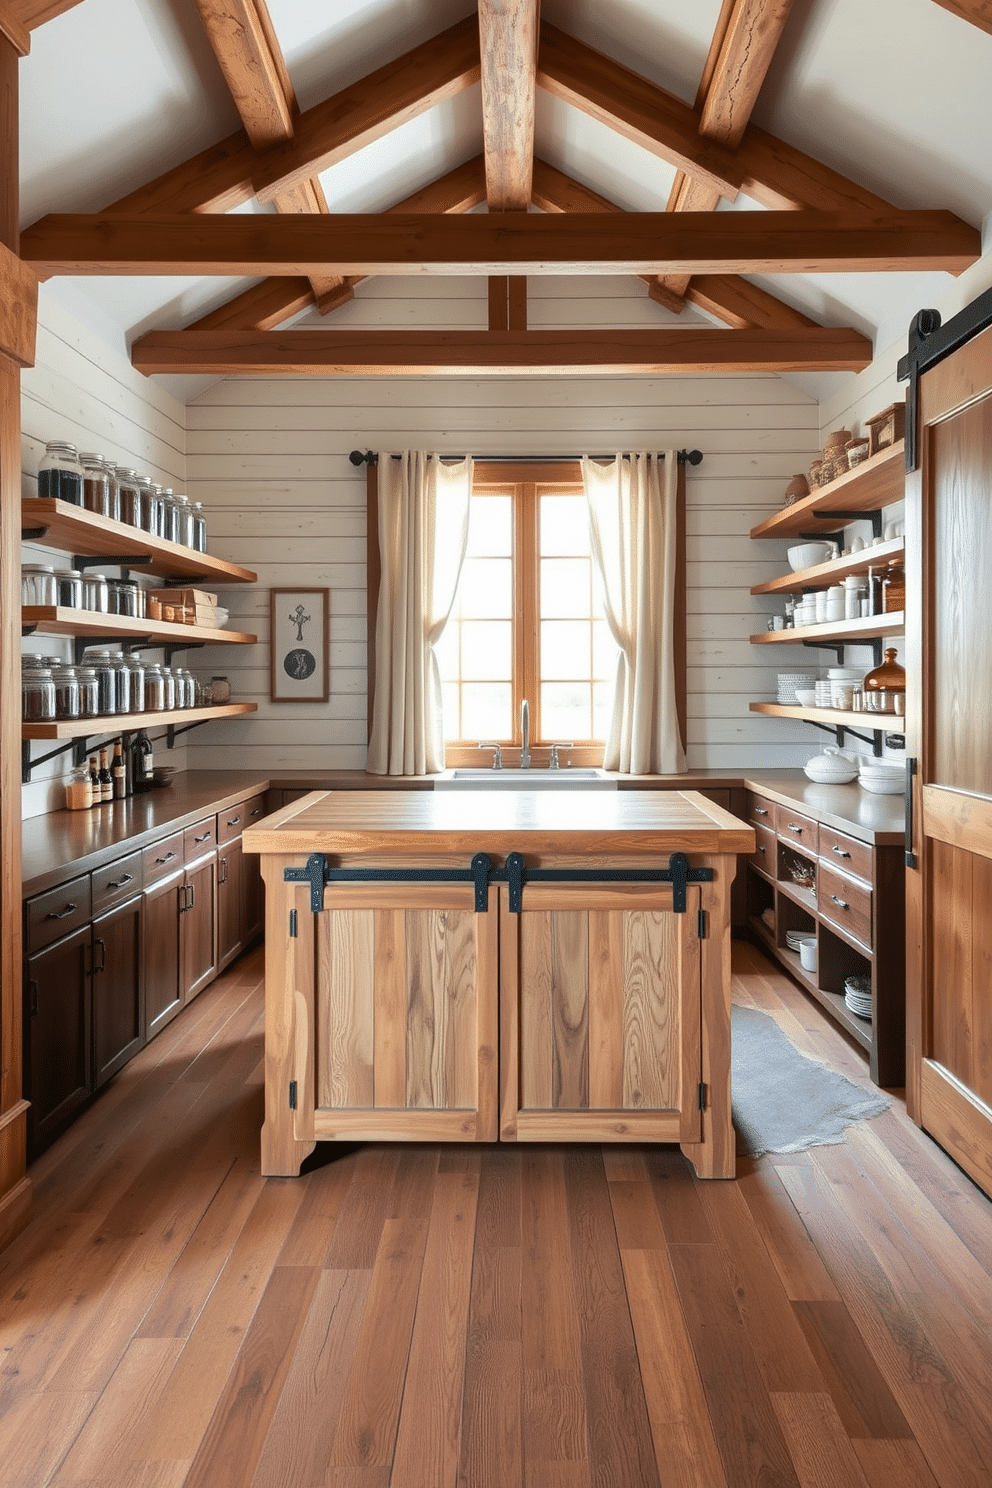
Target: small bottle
[[96, 789], [118, 774], [106, 779]]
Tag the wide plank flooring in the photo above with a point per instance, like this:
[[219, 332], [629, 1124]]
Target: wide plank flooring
[[430, 1317]]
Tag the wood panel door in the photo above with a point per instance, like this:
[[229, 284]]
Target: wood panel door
[[600, 1015], [403, 1042], [949, 896], [118, 990], [161, 911], [230, 902], [58, 1029], [198, 931]]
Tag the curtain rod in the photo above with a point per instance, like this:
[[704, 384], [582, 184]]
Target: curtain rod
[[370, 457]]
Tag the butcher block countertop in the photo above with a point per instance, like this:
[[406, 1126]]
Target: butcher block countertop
[[576, 823]]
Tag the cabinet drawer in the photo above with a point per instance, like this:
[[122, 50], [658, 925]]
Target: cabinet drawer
[[116, 882], [760, 812], [845, 902], [52, 915], [199, 839], [232, 822], [800, 830], [162, 858], [840, 851], [763, 856]]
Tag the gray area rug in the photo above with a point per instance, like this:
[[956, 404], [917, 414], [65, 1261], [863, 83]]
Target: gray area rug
[[783, 1101]]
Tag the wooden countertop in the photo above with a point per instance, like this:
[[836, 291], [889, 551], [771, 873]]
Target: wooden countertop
[[576, 823]]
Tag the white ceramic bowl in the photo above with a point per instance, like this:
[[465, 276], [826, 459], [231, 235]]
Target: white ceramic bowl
[[892, 783], [806, 696], [807, 555]]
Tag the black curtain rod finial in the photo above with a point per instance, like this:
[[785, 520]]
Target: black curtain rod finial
[[368, 458], [685, 457]]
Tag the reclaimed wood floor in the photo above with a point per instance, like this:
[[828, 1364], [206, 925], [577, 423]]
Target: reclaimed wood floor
[[425, 1317]]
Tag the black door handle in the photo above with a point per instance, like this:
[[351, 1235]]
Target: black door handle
[[103, 957], [52, 915], [910, 855]]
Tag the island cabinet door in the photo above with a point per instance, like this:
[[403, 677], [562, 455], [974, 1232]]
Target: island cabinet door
[[600, 1015], [404, 1035]]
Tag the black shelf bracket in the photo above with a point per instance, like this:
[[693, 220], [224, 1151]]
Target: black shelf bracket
[[111, 560], [172, 732], [837, 647], [840, 729], [28, 764], [33, 534], [874, 517]]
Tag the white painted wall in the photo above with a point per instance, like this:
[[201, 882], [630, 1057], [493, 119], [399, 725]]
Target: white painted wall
[[85, 391], [268, 458]]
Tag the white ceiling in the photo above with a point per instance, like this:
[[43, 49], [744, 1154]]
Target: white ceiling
[[893, 93]]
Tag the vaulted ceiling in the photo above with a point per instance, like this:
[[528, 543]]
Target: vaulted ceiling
[[789, 178]]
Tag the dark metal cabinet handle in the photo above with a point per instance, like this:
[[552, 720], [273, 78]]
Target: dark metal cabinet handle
[[233, 821], [910, 854], [257, 811], [205, 838], [166, 859], [842, 902], [761, 848], [118, 883], [61, 914], [183, 902], [760, 811], [33, 996], [794, 828], [103, 957], [192, 896], [840, 851], [222, 876]]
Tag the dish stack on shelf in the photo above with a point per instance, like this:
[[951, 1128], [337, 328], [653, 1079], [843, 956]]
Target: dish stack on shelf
[[789, 681], [857, 996], [793, 937]]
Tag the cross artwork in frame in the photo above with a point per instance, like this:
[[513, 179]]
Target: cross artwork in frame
[[298, 649]]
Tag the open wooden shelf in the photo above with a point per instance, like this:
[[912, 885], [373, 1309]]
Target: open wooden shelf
[[61, 621], [894, 723], [875, 483], [849, 632], [833, 1002], [116, 723], [73, 529], [822, 575]]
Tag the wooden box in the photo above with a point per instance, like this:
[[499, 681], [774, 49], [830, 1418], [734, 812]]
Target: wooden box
[[886, 428]]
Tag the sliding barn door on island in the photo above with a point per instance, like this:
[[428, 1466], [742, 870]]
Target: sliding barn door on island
[[949, 733]]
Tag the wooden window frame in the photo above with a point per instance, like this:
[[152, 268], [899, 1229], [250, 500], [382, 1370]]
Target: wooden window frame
[[524, 473]]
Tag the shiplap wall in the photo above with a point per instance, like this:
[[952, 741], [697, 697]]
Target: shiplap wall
[[83, 391], [269, 460]]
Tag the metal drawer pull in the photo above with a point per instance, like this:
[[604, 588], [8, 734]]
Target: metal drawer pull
[[257, 811], [760, 811], [192, 896], [233, 821], [794, 828], [222, 878], [842, 902], [61, 914], [166, 858], [205, 838], [103, 956], [840, 851], [118, 883], [761, 848]]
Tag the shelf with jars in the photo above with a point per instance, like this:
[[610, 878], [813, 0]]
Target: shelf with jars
[[113, 723], [72, 529], [60, 620]]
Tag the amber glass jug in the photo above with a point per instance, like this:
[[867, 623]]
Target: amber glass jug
[[885, 687]]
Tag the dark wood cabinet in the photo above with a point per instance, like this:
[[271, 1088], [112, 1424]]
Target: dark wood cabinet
[[198, 925], [231, 926], [161, 919], [118, 1010], [58, 1073]]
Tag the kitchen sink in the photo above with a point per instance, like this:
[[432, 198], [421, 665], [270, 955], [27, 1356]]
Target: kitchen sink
[[510, 778]]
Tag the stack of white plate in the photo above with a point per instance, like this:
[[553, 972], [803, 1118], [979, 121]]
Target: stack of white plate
[[857, 996], [793, 937], [789, 681]]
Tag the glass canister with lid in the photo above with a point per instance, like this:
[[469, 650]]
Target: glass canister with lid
[[135, 668], [39, 586], [151, 504], [123, 595], [96, 594], [199, 528], [70, 582], [101, 663], [128, 495], [60, 474], [185, 526], [37, 690], [169, 528], [66, 684], [89, 691], [99, 495], [154, 690]]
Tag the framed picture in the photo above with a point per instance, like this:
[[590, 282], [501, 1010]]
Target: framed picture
[[298, 649]]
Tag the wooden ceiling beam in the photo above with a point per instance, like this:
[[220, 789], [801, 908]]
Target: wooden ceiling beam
[[34, 13], [508, 49], [763, 168], [454, 353], [260, 308], [401, 90], [14, 29], [514, 243], [728, 297], [975, 12]]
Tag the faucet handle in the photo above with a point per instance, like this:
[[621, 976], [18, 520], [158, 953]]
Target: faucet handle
[[553, 764], [497, 754]]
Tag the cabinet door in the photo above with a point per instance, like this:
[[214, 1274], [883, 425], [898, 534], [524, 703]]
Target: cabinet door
[[161, 917], [199, 926], [58, 1063], [600, 1015], [118, 1011], [253, 898], [403, 1043], [230, 902]]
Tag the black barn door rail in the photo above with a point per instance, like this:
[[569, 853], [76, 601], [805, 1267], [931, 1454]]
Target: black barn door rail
[[515, 873]]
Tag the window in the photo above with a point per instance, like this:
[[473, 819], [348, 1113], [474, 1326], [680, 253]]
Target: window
[[527, 621]]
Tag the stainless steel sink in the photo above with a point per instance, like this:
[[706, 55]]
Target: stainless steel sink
[[533, 779]]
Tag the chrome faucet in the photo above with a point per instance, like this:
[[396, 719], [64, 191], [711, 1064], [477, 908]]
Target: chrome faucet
[[525, 735]]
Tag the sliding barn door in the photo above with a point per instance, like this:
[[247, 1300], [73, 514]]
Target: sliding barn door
[[949, 635]]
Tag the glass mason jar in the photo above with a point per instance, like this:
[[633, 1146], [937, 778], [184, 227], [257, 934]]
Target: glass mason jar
[[128, 495], [106, 681], [199, 528], [154, 689], [184, 520], [97, 485], [220, 690], [70, 583], [122, 684], [89, 691], [170, 689], [37, 693], [39, 585], [66, 684], [135, 669], [123, 597], [150, 505], [96, 594], [170, 516], [60, 473]]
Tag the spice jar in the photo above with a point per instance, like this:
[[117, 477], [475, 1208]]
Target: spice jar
[[151, 505], [89, 692], [60, 474], [39, 585], [199, 528], [170, 515], [37, 692], [99, 490], [220, 690], [123, 596], [184, 521], [96, 594], [135, 669], [106, 682], [70, 583], [894, 588], [128, 495], [154, 689], [66, 685]]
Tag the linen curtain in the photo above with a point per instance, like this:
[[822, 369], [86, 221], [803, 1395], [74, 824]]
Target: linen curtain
[[632, 525], [423, 533]]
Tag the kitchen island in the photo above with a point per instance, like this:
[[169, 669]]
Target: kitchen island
[[511, 966]]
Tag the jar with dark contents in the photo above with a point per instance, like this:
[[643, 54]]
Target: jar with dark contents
[[106, 682], [60, 474], [170, 516], [97, 485], [66, 684], [37, 693], [70, 583], [154, 689], [151, 505], [89, 692], [123, 595], [128, 494], [184, 521], [199, 528], [136, 680], [96, 594]]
